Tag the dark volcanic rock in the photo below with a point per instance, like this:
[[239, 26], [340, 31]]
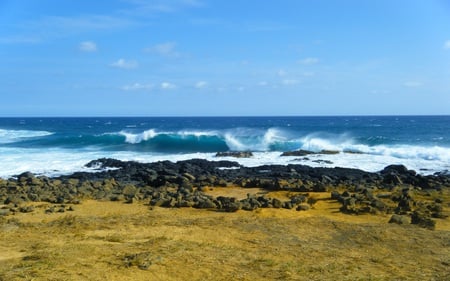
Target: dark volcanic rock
[[423, 219], [300, 152], [180, 184], [236, 154], [303, 152]]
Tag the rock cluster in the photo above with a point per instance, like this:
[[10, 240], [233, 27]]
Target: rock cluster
[[180, 184]]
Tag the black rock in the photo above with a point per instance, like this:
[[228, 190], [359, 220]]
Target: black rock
[[236, 154], [423, 220]]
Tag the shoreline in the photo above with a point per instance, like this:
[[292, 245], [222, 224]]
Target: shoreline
[[163, 221], [394, 190]]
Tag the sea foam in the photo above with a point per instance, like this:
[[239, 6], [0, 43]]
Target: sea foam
[[10, 136]]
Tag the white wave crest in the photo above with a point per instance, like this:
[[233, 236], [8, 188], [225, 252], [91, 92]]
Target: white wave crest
[[140, 137], [409, 152], [272, 136], [242, 139], [338, 143], [135, 138], [197, 133], [344, 143], [10, 136]]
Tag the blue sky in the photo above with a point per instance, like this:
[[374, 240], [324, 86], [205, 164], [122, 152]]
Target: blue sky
[[206, 58]]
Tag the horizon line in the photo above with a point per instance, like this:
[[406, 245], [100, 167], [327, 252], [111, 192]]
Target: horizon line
[[225, 116]]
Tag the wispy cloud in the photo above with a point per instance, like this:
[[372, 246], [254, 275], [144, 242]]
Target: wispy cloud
[[20, 39], [125, 64], [166, 49], [51, 27], [201, 84], [412, 84], [68, 25], [137, 87], [167, 86], [281, 73], [88, 46], [309, 61], [149, 7], [290, 82], [447, 45]]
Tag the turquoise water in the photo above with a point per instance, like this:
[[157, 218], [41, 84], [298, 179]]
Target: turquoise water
[[63, 145]]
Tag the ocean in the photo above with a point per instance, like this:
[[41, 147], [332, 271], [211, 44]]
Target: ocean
[[57, 146]]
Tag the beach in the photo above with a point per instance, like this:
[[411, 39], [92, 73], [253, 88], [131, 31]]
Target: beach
[[202, 140], [203, 220]]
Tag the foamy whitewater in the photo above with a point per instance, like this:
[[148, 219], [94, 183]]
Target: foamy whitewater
[[56, 146]]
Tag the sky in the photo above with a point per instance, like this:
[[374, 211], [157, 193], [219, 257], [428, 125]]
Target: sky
[[224, 57]]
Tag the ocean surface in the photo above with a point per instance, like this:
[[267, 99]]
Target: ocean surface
[[56, 146]]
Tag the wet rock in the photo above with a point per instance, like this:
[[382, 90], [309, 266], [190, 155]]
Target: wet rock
[[298, 153], [303, 152], [236, 154]]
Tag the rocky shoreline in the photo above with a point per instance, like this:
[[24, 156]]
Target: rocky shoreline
[[408, 196]]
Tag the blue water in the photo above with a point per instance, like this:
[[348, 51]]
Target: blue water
[[62, 145]]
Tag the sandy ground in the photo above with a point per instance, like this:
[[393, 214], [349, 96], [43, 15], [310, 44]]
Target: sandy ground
[[117, 241]]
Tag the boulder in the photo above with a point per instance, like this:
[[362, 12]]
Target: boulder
[[399, 219], [303, 207]]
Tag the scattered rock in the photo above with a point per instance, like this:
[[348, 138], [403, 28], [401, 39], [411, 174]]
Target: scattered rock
[[140, 260], [183, 184], [423, 220]]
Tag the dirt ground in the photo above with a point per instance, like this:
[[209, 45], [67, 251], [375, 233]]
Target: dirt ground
[[117, 241]]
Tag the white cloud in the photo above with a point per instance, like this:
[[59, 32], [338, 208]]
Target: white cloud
[[289, 82], [201, 84], [447, 45], [412, 84], [88, 46], [167, 86], [165, 49], [125, 64], [263, 83], [309, 61], [137, 86], [281, 72]]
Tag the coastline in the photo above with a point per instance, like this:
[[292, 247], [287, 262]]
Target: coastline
[[145, 218], [186, 184]]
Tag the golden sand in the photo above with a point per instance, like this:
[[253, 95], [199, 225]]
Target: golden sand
[[117, 241]]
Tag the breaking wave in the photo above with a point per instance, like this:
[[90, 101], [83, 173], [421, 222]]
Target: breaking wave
[[237, 139]]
